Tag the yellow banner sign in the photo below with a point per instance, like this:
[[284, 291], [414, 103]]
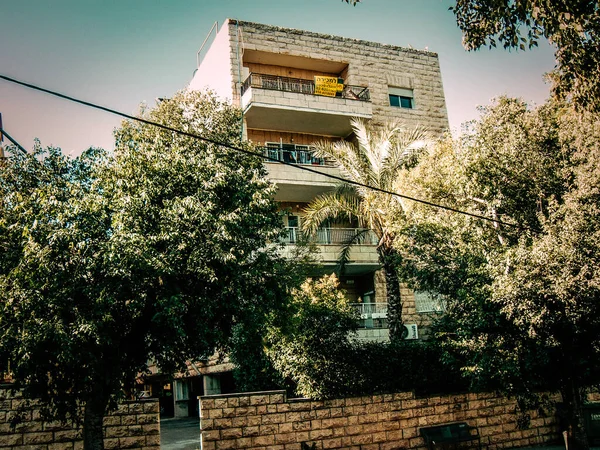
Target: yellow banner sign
[[328, 86]]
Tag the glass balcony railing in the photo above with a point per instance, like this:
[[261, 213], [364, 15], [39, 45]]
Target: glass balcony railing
[[335, 236], [298, 85]]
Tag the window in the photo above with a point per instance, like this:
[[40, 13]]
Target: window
[[401, 98], [181, 390], [426, 302]]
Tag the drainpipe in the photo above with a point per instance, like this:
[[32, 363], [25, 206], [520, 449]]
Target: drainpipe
[[237, 35]]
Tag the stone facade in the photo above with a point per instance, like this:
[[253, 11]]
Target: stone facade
[[135, 424], [267, 420], [377, 66]]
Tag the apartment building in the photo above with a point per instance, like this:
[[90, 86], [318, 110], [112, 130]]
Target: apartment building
[[296, 88]]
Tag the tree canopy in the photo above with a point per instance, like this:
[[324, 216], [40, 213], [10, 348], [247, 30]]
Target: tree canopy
[[154, 253], [523, 301], [573, 27]]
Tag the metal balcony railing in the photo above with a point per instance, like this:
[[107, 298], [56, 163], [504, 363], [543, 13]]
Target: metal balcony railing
[[293, 156], [285, 84], [332, 236], [370, 310]]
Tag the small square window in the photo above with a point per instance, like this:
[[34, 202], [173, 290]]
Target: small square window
[[401, 98]]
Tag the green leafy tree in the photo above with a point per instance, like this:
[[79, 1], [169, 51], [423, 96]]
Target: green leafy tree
[[573, 27], [376, 159], [155, 253], [522, 302], [312, 346]]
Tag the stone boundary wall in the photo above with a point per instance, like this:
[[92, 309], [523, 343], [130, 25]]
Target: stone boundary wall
[[135, 424], [267, 420]]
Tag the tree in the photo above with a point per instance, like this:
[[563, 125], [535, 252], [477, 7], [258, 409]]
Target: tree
[[312, 347], [522, 301], [573, 27], [155, 253], [377, 159]]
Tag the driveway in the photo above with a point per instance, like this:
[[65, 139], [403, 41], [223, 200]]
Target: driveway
[[180, 434]]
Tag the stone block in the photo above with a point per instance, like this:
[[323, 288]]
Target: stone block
[[273, 418], [28, 427], [45, 437], [220, 403], [151, 406], [136, 408], [135, 430], [338, 422], [317, 434], [221, 423], [153, 428], [231, 433], [211, 435], [120, 431], [362, 439], [108, 421], [130, 419], [262, 441], [10, 440], [233, 402], [268, 429], [67, 435], [109, 444], [64, 446], [250, 431], [225, 445], [323, 413], [132, 442], [302, 436], [285, 438], [153, 440], [144, 419], [332, 443]]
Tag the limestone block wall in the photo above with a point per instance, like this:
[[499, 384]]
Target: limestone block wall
[[268, 420], [135, 424], [378, 66]]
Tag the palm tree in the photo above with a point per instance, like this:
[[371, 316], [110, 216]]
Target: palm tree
[[377, 159]]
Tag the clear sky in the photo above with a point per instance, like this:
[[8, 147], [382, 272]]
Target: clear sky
[[119, 53]]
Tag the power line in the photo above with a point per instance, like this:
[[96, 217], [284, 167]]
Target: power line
[[248, 152]]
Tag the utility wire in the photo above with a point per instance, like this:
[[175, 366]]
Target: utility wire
[[4, 133], [248, 152]]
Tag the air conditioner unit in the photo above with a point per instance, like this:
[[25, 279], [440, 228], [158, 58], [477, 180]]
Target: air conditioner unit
[[411, 331]]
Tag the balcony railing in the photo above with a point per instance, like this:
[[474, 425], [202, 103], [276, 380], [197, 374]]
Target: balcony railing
[[371, 310], [285, 84], [293, 156], [332, 236]]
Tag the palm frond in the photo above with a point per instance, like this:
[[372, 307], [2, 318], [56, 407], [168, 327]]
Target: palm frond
[[342, 202], [346, 247]]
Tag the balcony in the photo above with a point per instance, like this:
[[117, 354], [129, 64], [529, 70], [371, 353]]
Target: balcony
[[371, 310], [285, 84], [293, 156], [363, 256], [332, 236], [290, 104]]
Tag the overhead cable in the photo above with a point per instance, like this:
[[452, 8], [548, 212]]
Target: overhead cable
[[248, 152]]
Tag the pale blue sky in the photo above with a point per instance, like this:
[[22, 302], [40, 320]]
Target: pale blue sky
[[119, 53]]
